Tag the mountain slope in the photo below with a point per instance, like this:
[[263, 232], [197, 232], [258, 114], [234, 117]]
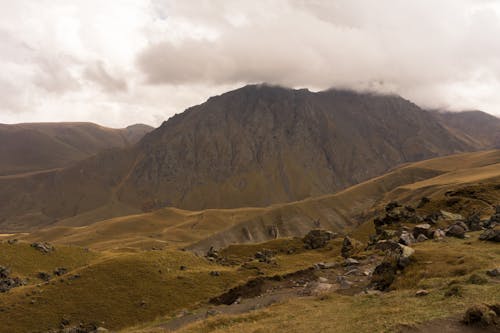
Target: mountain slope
[[40, 146], [477, 127], [260, 145], [253, 146]]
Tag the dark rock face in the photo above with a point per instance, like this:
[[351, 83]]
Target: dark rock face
[[317, 238]]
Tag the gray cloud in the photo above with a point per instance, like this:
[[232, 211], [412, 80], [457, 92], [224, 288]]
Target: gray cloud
[[416, 48], [98, 74], [69, 61]]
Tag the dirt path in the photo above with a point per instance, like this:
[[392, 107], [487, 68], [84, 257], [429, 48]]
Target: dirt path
[[262, 292]]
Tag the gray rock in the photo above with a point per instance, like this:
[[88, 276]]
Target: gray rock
[[492, 235], [495, 272], [456, 231], [350, 246], [351, 262], [43, 247], [422, 292], [422, 238]]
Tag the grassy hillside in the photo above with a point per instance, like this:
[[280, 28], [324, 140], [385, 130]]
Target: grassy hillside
[[40, 146], [136, 277], [198, 230]]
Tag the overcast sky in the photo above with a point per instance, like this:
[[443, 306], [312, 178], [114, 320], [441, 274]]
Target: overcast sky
[[130, 61]]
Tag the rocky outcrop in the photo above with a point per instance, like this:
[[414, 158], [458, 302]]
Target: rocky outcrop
[[7, 282], [318, 238]]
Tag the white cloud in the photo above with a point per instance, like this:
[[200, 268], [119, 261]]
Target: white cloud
[[131, 61]]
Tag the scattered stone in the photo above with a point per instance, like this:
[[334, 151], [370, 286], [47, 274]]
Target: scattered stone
[[7, 282], [182, 268], [351, 262], [438, 234], [12, 241], [343, 282], [43, 276], [212, 253], [350, 246], [215, 273], [43, 247], [422, 292], [327, 265], [60, 271], [265, 256], [74, 277], [4, 272], [318, 238], [495, 272], [406, 238], [492, 235], [422, 238], [322, 279], [424, 228]]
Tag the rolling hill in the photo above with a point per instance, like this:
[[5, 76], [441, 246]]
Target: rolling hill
[[477, 127], [34, 147], [340, 212], [133, 274]]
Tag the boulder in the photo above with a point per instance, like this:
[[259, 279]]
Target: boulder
[[492, 235], [424, 228], [350, 246], [406, 238], [384, 275], [480, 315], [318, 238], [473, 222], [422, 238], [456, 230], [438, 234]]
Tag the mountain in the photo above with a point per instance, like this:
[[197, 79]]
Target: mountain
[[477, 127], [254, 146], [40, 146]]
